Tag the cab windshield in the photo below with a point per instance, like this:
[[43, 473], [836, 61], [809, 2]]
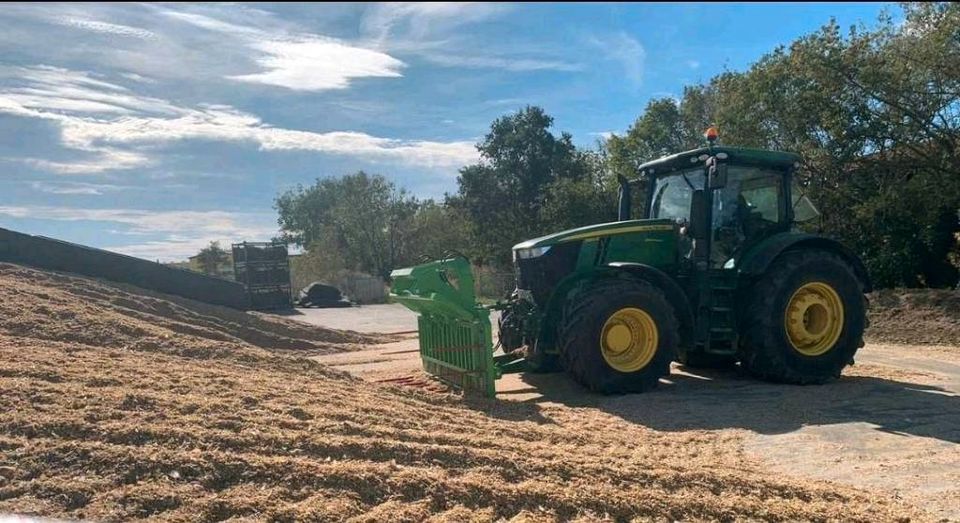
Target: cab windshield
[[672, 194]]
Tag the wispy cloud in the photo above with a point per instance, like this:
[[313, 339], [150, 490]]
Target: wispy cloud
[[693, 64], [302, 62], [75, 188], [181, 233], [224, 123], [220, 222], [432, 31], [214, 24], [122, 124], [419, 21], [54, 88], [97, 26], [102, 159], [605, 135], [316, 64], [667, 94], [178, 248], [138, 78], [626, 50], [497, 62]]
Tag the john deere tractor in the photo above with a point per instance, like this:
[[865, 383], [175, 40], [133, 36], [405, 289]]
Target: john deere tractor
[[716, 273]]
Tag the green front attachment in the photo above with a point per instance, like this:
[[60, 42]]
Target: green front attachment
[[456, 344]]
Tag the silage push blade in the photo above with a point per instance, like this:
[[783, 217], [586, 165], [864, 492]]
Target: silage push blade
[[455, 339]]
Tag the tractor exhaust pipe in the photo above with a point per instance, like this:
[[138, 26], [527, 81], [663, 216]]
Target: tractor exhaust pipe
[[625, 203]]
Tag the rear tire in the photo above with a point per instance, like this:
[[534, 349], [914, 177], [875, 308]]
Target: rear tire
[[625, 321], [804, 320]]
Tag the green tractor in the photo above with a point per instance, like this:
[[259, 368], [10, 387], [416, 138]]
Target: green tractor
[[716, 273]]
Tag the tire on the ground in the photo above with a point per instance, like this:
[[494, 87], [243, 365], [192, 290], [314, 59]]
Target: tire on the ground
[[581, 327], [765, 348]]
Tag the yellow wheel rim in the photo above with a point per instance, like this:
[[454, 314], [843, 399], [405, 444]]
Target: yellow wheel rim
[[814, 318], [629, 339]]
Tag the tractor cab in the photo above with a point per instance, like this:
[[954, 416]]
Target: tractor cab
[[723, 199]]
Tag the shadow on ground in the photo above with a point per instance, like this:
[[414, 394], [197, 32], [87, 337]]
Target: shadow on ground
[[718, 399]]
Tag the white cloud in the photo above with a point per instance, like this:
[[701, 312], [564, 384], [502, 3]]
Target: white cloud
[[97, 26], [603, 134], [102, 159], [58, 89], [114, 138], [416, 20], [138, 78], [75, 188], [668, 94], [507, 101], [222, 123], [49, 75], [431, 30], [177, 248], [213, 24], [506, 63], [621, 47], [302, 62], [138, 220], [316, 64], [183, 233], [693, 64]]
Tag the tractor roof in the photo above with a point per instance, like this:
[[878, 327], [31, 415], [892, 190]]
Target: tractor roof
[[738, 155]]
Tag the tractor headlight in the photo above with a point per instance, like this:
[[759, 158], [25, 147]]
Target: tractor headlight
[[531, 252]]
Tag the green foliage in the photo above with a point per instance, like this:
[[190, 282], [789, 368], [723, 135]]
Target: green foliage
[[211, 257], [510, 195], [574, 203], [435, 230], [356, 221], [364, 223]]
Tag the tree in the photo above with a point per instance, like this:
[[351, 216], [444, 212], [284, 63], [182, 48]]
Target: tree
[[362, 218], [435, 230], [211, 257], [364, 223], [590, 199], [504, 195]]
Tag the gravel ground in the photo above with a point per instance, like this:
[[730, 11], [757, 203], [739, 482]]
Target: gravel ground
[[891, 424]]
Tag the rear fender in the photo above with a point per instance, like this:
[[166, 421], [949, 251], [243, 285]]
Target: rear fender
[[757, 260], [652, 275]]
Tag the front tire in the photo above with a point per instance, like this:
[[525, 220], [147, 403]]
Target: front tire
[[804, 320], [618, 336]]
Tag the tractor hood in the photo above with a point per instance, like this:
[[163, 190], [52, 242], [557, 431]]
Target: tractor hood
[[596, 231]]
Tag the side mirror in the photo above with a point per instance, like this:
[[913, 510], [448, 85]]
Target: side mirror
[[698, 215], [718, 175]]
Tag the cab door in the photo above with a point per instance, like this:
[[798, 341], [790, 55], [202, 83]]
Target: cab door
[[750, 207]]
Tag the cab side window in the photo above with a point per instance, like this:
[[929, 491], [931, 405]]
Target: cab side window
[[763, 197], [748, 206], [751, 195]]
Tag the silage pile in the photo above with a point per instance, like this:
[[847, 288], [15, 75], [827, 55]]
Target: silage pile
[[915, 316], [115, 408], [54, 306]]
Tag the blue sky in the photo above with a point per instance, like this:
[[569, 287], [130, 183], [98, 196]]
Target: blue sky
[[152, 129]]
